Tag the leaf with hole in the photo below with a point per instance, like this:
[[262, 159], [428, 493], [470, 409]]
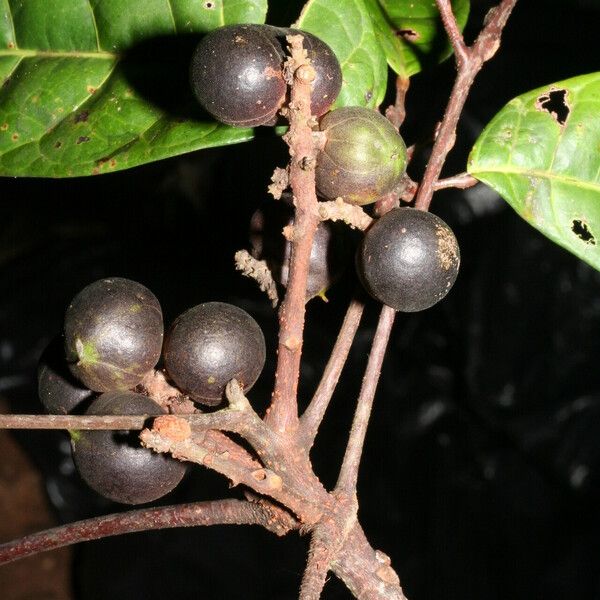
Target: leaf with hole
[[541, 153], [347, 27], [411, 33], [93, 86]]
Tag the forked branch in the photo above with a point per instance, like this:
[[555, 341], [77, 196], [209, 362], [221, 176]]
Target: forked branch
[[469, 61]]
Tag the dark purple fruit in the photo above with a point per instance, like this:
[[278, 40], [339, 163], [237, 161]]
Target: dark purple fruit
[[211, 344], [59, 391], [364, 157], [269, 244], [408, 259], [328, 79], [113, 334], [237, 74], [114, 464]]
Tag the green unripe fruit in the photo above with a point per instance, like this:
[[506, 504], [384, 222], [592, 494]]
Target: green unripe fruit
[[408, 259], [364, 156], [113, 334]]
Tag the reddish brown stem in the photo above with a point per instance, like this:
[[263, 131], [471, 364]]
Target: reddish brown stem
[[215, 512], [282, 415], [313, 415], [136, 422], [397, 111], [469, 62], [349, 471]]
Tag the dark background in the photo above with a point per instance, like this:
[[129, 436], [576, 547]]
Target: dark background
[[481, 474]]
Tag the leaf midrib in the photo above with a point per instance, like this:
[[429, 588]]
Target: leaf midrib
[[539, 173], [25, 53]]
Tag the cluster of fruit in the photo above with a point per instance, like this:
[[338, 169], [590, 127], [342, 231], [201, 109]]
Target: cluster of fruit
[[408, 259], [113, 337]]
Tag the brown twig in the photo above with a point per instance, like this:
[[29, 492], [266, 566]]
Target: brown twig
[[259, 271], [396, 112], [367, 573], [326, 542], [469, 61], [349, 471], [215, 512], [282, 415], [133, 422], [338, 210], [462, 181], [313, 415]]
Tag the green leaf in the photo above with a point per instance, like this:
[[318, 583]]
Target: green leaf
[[92, 86], [411, 32], [541, 153], [347, 27]]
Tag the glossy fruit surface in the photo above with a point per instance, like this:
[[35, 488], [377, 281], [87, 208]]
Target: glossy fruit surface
[[59, 391], [363, 159], [269, 244], [328, 73], [237, 73], [237, 77], [114, 464], [408, 259], [211, 344], [113, 334]]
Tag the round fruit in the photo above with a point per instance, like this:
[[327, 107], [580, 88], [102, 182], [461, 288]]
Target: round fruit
[[114, 464], [269, 244], [211, 344], [364, 156], [58, 390], [408, 259], [113, 334], [328, 73], [237, 73]]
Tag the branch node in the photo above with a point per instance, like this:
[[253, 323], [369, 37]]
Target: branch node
[[173, 428]]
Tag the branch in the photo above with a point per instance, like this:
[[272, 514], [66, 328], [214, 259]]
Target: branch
[[327, 540], [215, 512], [259, 271], [338, 210], [367, 573], [469, 61], [349, 471], [294, 486], [133, 422], [396, 112], [282, 415], [313, 415]]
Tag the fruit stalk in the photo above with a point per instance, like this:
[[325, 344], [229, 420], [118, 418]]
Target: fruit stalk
[[282, 415], [469, 60]]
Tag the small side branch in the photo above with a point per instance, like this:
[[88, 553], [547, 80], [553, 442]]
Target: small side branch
[[313, 415], [349, 471], [396, 112], [338, 210], [215, 512], [259, 271], [469, 61]]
